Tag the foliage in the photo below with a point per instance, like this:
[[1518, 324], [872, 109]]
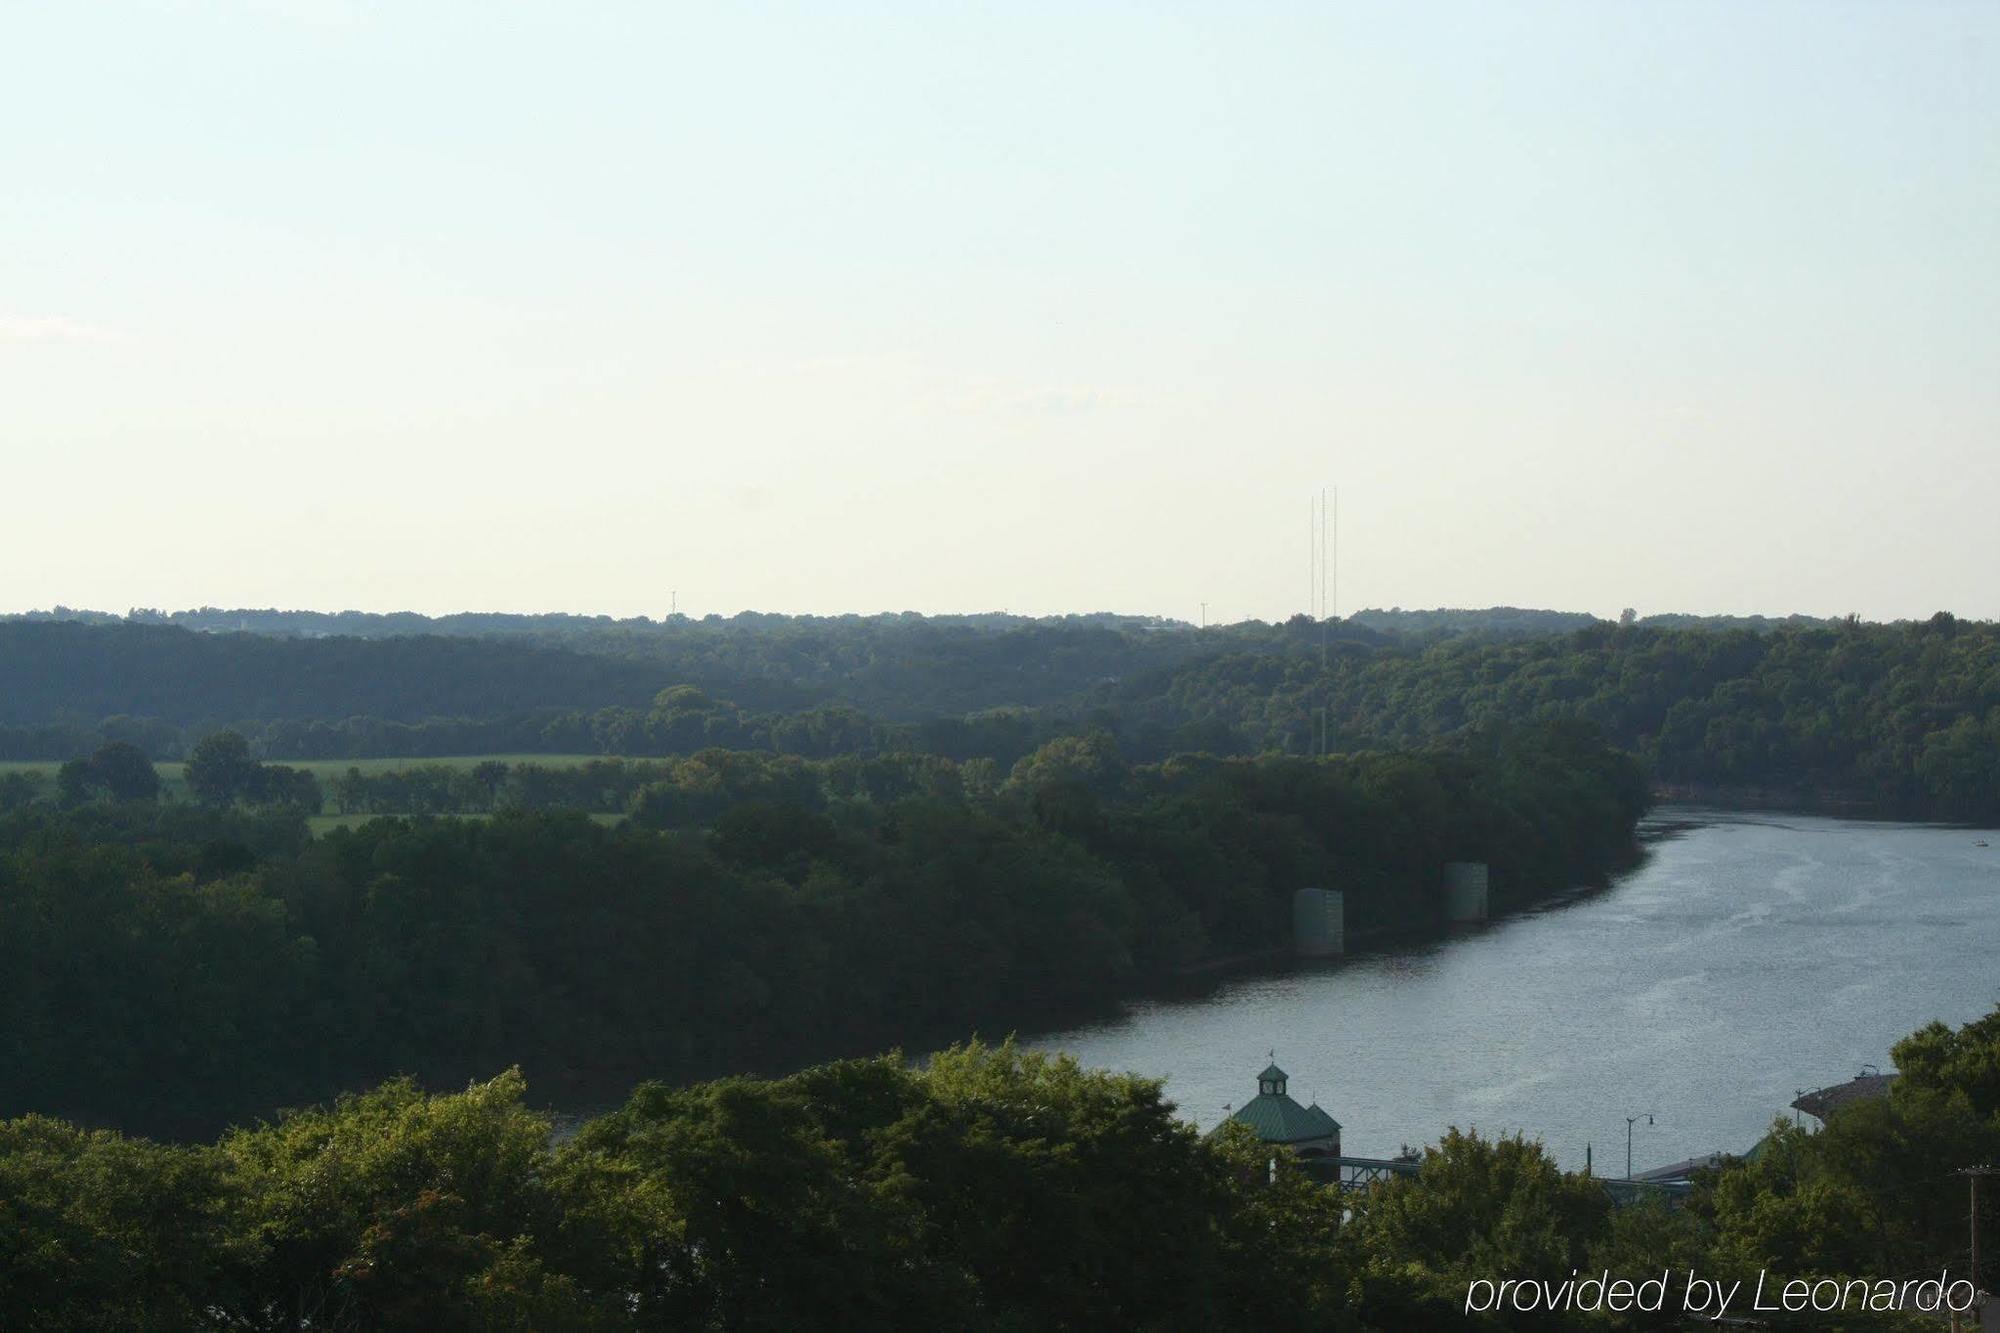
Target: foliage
[[1905, 716], [1877, 1191], [99, 1231], [221, 771], [118, 771], [1480, 1207], [756, 911], [1935, 1059], [996, 1189]]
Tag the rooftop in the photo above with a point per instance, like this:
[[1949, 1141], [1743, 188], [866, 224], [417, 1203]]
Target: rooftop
[[1862, 1087], [1276, 1118]]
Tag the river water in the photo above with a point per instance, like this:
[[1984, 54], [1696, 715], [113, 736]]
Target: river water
[[1749, 957]]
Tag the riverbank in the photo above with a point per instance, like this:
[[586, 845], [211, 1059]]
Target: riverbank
[[1803, 800], [1747, 956]]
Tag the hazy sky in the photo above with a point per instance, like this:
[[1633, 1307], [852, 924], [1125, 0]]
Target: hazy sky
[[1047, 307]]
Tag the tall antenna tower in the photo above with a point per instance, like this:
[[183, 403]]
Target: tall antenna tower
[[1333, 596], [1315, 561], [1324, 601], [1324, 569]]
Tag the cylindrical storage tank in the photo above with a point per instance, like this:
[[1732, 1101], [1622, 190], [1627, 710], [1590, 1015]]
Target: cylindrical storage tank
[[1319, 923], [1465, 890]]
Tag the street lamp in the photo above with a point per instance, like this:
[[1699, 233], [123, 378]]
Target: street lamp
[[1630, 1121]]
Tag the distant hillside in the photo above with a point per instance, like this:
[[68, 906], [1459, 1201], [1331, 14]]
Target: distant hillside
[[1489, 620], [902, 667], [1904, 715], [51, 672], [558, 624], [1758, 624], [1514, 620]]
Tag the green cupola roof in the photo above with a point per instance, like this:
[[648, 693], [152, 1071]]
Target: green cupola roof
[[1276, 1118], [1279, 1119]]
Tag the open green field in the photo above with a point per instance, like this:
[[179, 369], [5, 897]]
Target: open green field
[[320, 824], [333, 768], [29, 766]]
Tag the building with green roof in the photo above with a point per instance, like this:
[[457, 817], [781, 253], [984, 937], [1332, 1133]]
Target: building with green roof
[[1277, 1119]]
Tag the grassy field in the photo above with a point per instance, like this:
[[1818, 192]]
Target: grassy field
[[324, 769], [326, 823], [173, 781]]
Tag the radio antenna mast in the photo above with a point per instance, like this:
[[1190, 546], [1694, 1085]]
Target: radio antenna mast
[[1324, 602], [1317, 605]]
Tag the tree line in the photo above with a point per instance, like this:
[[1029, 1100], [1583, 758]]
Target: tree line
[[992, 1189], [220, 771], [1905, 717], [903, 668], [175, 966]]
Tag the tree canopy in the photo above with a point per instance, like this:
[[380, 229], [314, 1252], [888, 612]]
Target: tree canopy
[[754, 911], [1903, 716], [995, 1188]]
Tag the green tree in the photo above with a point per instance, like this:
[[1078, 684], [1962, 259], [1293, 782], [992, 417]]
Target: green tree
[[1965, 1061], [1480, 1207], [79, 783], [394, 1209], [102, 1232], [290, 788], [220, 770], [126, 772], [18, 790]]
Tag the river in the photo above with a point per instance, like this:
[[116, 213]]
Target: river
[[1747, 958]]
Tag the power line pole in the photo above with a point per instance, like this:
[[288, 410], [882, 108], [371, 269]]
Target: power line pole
[[1972, 1176]]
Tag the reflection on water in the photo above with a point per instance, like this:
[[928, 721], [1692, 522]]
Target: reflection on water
[[1749, 958]]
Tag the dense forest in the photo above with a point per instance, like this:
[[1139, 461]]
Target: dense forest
[[172, 966], [901, 667], [578, 630], [1903, 717], [993, 1189]]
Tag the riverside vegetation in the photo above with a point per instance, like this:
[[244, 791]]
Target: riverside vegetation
[[992, 1190], [1905, 716], [175, 966]]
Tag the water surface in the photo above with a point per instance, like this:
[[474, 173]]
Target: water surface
[[1750, 957]]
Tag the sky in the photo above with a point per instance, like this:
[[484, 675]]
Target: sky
[[1046, 308]]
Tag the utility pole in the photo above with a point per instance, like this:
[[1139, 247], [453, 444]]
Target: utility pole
[[1972, 1176], [1204, 615]]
